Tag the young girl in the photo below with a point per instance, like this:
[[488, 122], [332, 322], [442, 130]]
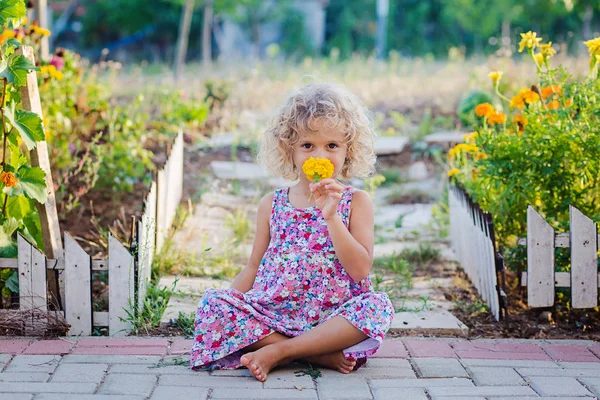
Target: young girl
[[305, 293]]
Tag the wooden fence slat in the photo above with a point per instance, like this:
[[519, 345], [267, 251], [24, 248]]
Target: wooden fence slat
[[540, 260], [32, 282], [78, 288], [584, 260], [24, 257], [121, 284], [161, 208]]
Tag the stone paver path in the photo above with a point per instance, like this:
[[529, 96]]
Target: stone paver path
[[407, 369]]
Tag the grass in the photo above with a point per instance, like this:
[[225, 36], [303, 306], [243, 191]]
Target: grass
[[392, 176], [412, 196], [422, 255], [150, 314], [240, 225], [185, 323]]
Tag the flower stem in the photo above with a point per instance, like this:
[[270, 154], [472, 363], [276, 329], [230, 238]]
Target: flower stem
[[4, 135]]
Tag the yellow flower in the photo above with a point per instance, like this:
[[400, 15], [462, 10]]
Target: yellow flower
[[521, 121], [553, 105], [546, 50], [317, 169], [550, 90], [529, 40], [497, 118], [495, 76], [517, 102], [470, 137], [539, 58], [8, 179], [593, 46], [40, 31], [8, 33], [453, 172], [484, 110], [529, 96], [480, 156]]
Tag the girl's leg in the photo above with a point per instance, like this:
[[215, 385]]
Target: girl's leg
[[332, 336], [334, 360]]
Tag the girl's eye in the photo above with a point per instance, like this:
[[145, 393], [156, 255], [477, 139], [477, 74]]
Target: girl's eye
[[306, 145], [332, 145]]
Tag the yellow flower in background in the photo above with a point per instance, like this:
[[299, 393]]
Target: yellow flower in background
[[546, 50], [521, 121], [480, 156], [539, 58], [550, 90], [553, 105], [593, 46], [495, 76], [40, 31], [529, 40], [517, 101], [529, 96], [8, 179], [497, 118], [317, 169], [484, 110], [453, 172], [470, 137]]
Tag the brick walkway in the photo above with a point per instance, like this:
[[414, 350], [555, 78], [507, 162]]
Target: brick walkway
[[407, 369]]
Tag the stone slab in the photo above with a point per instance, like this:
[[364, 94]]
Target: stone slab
[[58, 347], [283, 394], [483, 391], [209, 381], [439, 368], [176, 392], [497, 376], [63, 396], [110, 359], [571, 372], [31, 363], [392, 394], [385, 145], [429, 348], [238, 170], [445, 137], [130, 384], [343, 389], [420, 383], [37, 387], [430, 322], [75, 373], [593, 384], [24, 377], [558, 386]]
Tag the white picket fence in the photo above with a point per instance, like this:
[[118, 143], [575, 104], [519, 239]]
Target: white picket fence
[[541, 278], [128, 274], [472, 237]]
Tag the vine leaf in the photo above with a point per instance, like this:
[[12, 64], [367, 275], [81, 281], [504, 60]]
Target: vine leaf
[[27, 123]]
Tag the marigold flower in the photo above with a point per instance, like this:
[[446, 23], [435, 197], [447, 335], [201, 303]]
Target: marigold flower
[[484, 110], [593, 46], [495, 76], [468, 138], [529, 96], [480, 156], [549, 90], [553, 105], [40, 31], [453, 172], [529, 40], [317, 169], [497, 118], [517, 101], [8, 179], [547, 51], [521, 121]]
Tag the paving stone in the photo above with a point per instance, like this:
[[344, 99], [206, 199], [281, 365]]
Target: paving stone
[[392, 394], [558, 372], [238, 170], [13, 346], [420, 383], [541, 398], [429, 348], [75, 373], [571, 354], [391, 348], [497, 376], [4, 359], [509, 363], [439, 368], [372, 373], [110, 359], [579, 365], [344, 389], [37, 387], [484, 391], [558, 386], [209, 381], [176, 393], [417, 171], [432, 322], [24, 377], [128, 384], [500, 351], [14, 396], [154, 370], [181, 347], [134, 342], [595, 350], [63, 396], [461, 397], [286, 379], [233, 372], [134, 350], [593, 384], [26, 363], [287, 394], [50, 347]]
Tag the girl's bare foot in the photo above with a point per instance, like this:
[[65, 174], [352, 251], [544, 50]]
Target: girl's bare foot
[[335, 360], [262, 361]]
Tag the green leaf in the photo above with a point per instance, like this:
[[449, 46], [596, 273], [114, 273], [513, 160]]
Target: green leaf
[[8, 247], [33, 230], [17, 69], [12, 283], [32, 183], [11, 9], [27, 123], [18, 207]]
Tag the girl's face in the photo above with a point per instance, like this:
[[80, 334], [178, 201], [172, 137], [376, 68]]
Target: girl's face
[[326, 142]]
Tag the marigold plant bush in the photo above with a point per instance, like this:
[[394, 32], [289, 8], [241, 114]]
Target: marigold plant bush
[[539, 147]]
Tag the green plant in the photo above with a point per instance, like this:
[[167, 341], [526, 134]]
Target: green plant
[[467, 104], [185, 322], [422, 255], [372, 183], [240, 225], [392, 176], [149, 315], [412, 196]]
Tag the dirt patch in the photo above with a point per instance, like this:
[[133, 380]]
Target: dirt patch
[[522, 322]]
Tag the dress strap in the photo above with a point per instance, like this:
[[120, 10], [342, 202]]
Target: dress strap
[[345, 203]]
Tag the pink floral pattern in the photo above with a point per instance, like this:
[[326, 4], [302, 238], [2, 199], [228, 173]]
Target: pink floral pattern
[[299, 285]]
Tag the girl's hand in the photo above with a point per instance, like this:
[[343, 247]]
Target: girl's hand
[[327, 193]]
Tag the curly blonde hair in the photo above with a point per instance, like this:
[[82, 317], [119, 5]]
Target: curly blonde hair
[[332, 104]]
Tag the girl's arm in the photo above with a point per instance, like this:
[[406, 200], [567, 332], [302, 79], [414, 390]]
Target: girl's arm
[[354, 246], [245, 279]]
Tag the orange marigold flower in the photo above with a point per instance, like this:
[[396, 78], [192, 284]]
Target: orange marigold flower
[[553, 105], [497, 118], [529, 96], [521, 121], [517, 102], [8, 179], [484, 110], [549, 90]]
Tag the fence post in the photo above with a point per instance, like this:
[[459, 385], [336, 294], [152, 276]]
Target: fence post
[[584, 260], [32, 281], [121, 284], [78, 288], [540, 261]]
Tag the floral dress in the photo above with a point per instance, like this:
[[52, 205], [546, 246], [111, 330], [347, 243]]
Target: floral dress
[[300, 283]]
